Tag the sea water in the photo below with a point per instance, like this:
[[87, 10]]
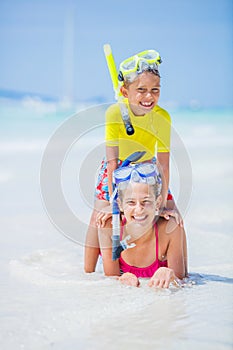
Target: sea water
[[47, 301]]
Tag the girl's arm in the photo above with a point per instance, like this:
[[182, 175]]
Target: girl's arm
[[177, 250], [176, 257], [111, 268]]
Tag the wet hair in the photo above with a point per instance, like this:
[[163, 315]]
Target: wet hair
[[122, 187], [126, 82]]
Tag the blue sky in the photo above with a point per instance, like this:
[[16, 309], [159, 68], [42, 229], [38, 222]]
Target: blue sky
[[55, 48]]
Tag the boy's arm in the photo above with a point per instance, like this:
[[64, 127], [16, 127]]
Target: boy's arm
[[112, 153], [168, 207], [163, 159]]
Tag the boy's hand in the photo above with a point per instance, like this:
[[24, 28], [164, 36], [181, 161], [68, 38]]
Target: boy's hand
[[103, 216], [166, 213]]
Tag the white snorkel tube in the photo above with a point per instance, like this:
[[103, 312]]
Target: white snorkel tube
[[118, 96], [119, 245]]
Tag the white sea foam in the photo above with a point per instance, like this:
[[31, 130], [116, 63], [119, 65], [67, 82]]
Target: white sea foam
[[47, 301], [75, 308]]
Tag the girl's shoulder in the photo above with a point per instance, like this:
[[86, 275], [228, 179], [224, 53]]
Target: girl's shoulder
[[169, 230]]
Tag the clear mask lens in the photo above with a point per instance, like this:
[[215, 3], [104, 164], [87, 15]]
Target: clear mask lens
[[150, 55], [145, 60], [130, 65], [145, 173]]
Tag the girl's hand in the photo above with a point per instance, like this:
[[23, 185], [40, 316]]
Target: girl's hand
[[103, 216], [162, 278], [129, 279], [166, 213]]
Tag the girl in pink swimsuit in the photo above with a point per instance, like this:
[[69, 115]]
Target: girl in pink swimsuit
[[155, 249], [147, 271]]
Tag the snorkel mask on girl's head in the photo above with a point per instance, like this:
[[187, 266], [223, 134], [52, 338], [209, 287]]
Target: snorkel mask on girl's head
[[146, 173], [144, 61]]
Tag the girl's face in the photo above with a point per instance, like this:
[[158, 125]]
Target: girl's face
[[139, 206], [143, 93]]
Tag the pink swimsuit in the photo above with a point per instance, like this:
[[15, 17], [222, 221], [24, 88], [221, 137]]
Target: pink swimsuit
[[147, 271]]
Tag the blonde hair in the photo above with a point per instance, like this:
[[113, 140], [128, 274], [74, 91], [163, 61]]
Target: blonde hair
[[122, 187], [127, 82]]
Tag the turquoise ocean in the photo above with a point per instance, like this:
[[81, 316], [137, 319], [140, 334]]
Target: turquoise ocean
[[47, 301]]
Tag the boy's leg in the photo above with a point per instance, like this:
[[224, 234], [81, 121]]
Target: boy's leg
[[185, 255], [92, 249]]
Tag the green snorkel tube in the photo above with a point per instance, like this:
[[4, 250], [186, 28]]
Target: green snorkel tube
[[118, 96], [117, 245]]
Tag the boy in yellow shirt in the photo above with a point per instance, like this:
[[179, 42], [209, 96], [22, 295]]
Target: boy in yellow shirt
[[140, 79]]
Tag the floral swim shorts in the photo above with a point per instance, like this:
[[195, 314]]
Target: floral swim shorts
[[101, 189]]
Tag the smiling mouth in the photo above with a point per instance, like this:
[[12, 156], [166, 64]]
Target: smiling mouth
[[139, 218], [147, 104]]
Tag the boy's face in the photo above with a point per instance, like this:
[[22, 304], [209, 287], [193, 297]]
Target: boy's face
[[143, 93]]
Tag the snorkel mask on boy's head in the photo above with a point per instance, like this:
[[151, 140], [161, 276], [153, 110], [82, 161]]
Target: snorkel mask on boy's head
[[130, 68]]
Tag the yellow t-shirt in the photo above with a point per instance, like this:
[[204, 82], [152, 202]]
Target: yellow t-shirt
[[151, 132]]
